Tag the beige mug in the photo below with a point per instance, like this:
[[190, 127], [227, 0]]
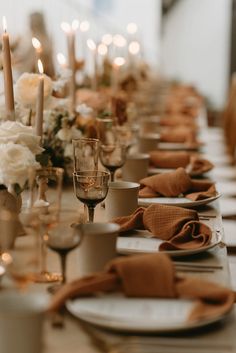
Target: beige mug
[[122, 199], [97, 246], [148, 142], [21, 322], [135, 167]]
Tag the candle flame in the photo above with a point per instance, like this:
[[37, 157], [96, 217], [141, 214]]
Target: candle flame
[[134, 47], [131, 28], [119, 61], [119, 40], [61, 59], [40, 66], [4, 23], [36, 43], [84, 26], [75, 25], [65, 26], [102, 49], [91, 44], [107, 39]]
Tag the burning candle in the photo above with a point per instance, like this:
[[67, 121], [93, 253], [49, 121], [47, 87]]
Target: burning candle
[[93, 48], [7, 72], [40, 102], [70, 33], [117, 63], [38, 50]]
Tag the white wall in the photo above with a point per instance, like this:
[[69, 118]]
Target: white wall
[[115, 20], [196, 46]]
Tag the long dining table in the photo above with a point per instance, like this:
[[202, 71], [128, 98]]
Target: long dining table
[[68, 334]]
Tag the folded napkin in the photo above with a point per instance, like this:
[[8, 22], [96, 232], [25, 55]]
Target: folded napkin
[[178, 227], [179, 134], [150, 276], [194, 163], [177, 120], [176, 183]]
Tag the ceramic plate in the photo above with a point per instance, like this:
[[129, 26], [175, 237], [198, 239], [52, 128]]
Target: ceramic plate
[[176, 201], [119, 313], [142, 242], [153, 171], [177, 146]]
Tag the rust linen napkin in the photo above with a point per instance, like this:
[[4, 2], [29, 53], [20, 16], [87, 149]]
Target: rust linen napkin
[[150, 276], [179, 228], [179, 135], [194, 163], [178, 120], [176, 183]]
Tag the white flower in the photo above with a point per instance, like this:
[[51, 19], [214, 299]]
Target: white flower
[[13, 131], [68, 151], [84, 109], [26, 89], [15, 162], [64, 134]]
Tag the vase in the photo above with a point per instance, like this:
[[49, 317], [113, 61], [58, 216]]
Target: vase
[[10, 206]]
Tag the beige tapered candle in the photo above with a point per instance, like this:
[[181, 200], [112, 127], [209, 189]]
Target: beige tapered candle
[[40, 102], [117, 63], [70, 31], [93, 48], [7, 72]]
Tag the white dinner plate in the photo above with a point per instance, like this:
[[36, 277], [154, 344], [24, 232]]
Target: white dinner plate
[[142, 242], [119, 313], [174, 146], [153, 171], [176, 201]]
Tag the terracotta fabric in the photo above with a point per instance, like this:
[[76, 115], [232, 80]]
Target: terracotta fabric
[[162, 159], [176, 183], [180, 134], [150, 276], [194, 163], [178, 227], [177, 120]]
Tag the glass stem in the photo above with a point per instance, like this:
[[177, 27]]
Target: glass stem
[[63, 268], [112, 176], [91, 214], [43, 253]]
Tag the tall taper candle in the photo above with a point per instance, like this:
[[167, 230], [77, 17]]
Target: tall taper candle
[[7, 72], [40, 102]]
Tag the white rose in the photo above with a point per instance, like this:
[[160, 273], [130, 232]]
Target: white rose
[[15, 162], [64, 134], [13, 131], [68, 151], [84, 109], [26, 89]]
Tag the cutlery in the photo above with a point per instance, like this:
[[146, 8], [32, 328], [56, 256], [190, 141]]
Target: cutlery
[[197, 265]]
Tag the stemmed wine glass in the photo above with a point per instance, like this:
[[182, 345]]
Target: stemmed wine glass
[[86, 152], [63, 237], [113, 157], [47, 200], [91, 188]]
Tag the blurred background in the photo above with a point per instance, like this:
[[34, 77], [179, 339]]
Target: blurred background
[[183, 40]]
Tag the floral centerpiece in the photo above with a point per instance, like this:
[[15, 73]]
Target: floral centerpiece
[[18, 149]]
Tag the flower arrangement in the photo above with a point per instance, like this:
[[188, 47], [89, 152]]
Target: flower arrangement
[[18, 149]]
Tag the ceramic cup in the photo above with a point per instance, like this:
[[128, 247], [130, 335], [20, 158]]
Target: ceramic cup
[[148, 142], [135, 167], [122, 199], [97, 246], [21, 322], [150, 125]]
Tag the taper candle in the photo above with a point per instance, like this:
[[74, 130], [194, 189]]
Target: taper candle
[[7, 72], [40, 102]]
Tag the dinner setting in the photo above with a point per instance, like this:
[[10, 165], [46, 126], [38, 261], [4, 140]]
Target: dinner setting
[[117, 176]]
